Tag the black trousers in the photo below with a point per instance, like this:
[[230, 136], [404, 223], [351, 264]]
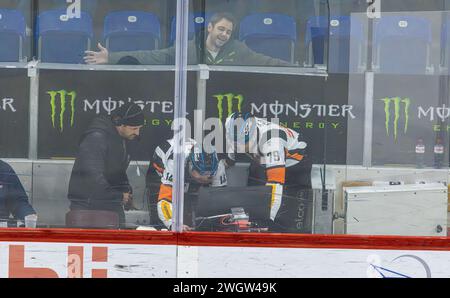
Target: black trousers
[[295, 213]]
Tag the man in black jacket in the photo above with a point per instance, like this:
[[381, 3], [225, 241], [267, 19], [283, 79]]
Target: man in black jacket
[[99, 180]]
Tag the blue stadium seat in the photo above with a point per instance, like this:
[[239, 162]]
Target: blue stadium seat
[[62, 39], [346, 36], [131, 31], [12, 35], [402, 44], [197, 23], [270, 34]]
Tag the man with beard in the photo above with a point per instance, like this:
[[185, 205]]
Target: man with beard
[[99, 180], [219, 49]]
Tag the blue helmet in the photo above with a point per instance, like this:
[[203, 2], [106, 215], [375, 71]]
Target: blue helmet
[[240, 127], [204, 163]]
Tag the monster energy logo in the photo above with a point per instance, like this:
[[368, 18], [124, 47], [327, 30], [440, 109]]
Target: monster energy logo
[[230, 99], [63, 94], [397, 101]]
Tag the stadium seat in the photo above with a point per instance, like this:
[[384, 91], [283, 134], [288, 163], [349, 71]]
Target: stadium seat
[[197, 23], [346, 36], [402, 44], [131, 31], [62, 39], [270, 34], [12, 35]]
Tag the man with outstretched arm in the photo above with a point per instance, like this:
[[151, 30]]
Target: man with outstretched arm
[[219, 49]]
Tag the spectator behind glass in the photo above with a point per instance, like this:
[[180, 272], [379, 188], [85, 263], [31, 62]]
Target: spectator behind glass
[[13, 198], [219, 49]]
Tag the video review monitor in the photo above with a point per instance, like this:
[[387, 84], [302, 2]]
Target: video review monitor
[[215, 201]]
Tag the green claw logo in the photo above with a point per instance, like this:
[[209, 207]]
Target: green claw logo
[[230, 99], [63, 94], [397, 101]]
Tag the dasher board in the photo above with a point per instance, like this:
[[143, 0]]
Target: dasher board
[[405, 210]]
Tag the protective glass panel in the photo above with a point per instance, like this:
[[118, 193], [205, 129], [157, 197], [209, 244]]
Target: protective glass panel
[[76, 139], [341, 74], [15, 51], [395, 181], [256, 175]]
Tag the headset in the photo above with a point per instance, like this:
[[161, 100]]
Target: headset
[[120, 120]]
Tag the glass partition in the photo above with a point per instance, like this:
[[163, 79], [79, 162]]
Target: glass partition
[[323, 117], [51, 106], [397, 168], [15, 50], [259, 124]]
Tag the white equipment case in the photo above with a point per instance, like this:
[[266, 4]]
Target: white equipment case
[[406, 210]]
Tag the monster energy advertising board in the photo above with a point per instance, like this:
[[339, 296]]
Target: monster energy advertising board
[[69, 100], [14, 113], [308, 104], [407, 108]]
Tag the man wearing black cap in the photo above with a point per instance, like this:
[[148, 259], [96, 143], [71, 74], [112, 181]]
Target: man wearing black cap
[[99, 180]]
